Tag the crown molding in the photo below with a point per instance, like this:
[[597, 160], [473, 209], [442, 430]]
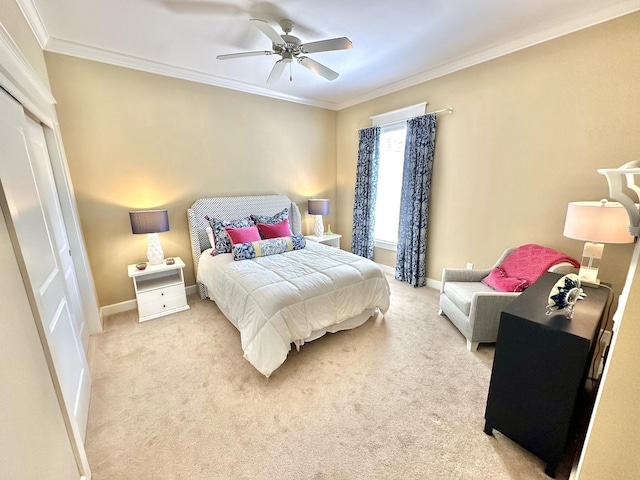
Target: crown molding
[[33, 18], [18, 77], [65, 47], [566, 28], [56, 45]]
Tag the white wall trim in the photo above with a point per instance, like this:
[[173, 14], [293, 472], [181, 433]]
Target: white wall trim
[[392, 271], [18, 77], [33, 18]]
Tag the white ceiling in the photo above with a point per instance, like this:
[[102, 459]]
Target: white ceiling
[[396, 43]]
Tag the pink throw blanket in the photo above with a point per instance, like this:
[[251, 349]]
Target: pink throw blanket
[[524, 266], [529, 262]]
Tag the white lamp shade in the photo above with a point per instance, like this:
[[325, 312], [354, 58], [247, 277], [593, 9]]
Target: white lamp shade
[[600, 222]]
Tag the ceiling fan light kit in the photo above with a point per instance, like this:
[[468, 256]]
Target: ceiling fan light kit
[[291, 48]]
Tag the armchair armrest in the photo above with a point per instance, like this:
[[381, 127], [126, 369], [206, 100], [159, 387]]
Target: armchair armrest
[[470, 275], [486, 308], [462, 275]]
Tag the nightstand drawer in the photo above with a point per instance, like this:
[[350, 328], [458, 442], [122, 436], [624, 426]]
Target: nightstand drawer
[[161, 294], [156, 308]]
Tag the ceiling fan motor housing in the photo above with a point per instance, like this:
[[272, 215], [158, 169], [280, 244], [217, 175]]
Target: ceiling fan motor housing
[[291, 48], [292, 45]]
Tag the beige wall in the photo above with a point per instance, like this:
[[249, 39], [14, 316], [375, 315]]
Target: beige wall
[[612, 449], [136, 140], [528, 132]]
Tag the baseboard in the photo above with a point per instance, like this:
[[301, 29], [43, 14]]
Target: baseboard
[[132, 304], [392, 271], [387, 269]]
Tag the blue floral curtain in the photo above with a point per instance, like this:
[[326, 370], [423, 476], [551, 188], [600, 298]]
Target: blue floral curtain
[[414, 203], [366, 189]]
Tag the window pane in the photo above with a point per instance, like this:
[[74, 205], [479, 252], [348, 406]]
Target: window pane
[[390, 183]]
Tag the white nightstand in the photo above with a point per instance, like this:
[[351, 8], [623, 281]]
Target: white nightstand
[[159, 289], [333, 239]]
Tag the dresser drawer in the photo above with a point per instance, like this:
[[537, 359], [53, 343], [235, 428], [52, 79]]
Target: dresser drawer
[[159, 307], [160, 294]]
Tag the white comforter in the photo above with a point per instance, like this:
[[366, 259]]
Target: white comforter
[[279, 299]]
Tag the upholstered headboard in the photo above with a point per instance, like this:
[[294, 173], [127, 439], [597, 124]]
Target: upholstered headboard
[[231, 208]]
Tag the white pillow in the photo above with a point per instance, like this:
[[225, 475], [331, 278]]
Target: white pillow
[[212, 240]]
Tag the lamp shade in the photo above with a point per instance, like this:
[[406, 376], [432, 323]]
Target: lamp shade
[[599, 222], [318, 206], [149, 221]]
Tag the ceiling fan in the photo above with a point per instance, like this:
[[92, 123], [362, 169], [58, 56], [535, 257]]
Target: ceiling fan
[[290, 48]]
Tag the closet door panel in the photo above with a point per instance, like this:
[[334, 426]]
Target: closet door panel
[[42, 263]]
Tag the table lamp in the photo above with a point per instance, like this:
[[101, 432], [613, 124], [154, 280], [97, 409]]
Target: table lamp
[[151, 222], [596, 223], [318, 207]]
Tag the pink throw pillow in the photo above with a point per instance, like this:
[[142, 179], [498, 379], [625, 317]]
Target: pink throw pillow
[[243, 235], [275, 230], [499, 281]]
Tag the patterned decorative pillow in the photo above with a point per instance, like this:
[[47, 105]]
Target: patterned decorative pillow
[[277, 218], [223, 242], [275, 230], [247, 251]]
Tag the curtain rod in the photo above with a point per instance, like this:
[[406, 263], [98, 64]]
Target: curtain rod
[[443, 110]]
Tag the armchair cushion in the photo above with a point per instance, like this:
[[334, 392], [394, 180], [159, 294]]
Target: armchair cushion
[[462, 293]]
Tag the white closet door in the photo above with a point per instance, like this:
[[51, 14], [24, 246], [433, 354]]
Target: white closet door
[[49, 198], [43, 265]]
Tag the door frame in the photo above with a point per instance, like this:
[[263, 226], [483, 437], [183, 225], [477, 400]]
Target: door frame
[[20, 80]]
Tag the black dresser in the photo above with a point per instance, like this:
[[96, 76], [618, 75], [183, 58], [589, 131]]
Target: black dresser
[[540, 366]]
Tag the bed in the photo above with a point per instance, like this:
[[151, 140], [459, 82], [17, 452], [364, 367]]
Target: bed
[[276, 300]]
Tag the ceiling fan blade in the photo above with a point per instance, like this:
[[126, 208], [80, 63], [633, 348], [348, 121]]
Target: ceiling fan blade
[[268, 31], [276, 71], [342, 43], [318, 68], [229, 56]]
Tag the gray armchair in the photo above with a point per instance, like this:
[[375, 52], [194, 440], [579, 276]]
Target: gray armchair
[[475, 308]]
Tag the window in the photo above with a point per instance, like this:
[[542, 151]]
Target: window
[[393, 135], [392, 140]]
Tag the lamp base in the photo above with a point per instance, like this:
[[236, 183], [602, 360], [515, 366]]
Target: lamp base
[[318, 230], [588, 273], [155, 255], [589, 276]]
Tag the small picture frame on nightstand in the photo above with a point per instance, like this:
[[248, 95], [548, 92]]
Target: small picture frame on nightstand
[[170, 261]]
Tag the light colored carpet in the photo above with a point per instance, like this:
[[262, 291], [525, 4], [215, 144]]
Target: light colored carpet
[[397, 398]]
